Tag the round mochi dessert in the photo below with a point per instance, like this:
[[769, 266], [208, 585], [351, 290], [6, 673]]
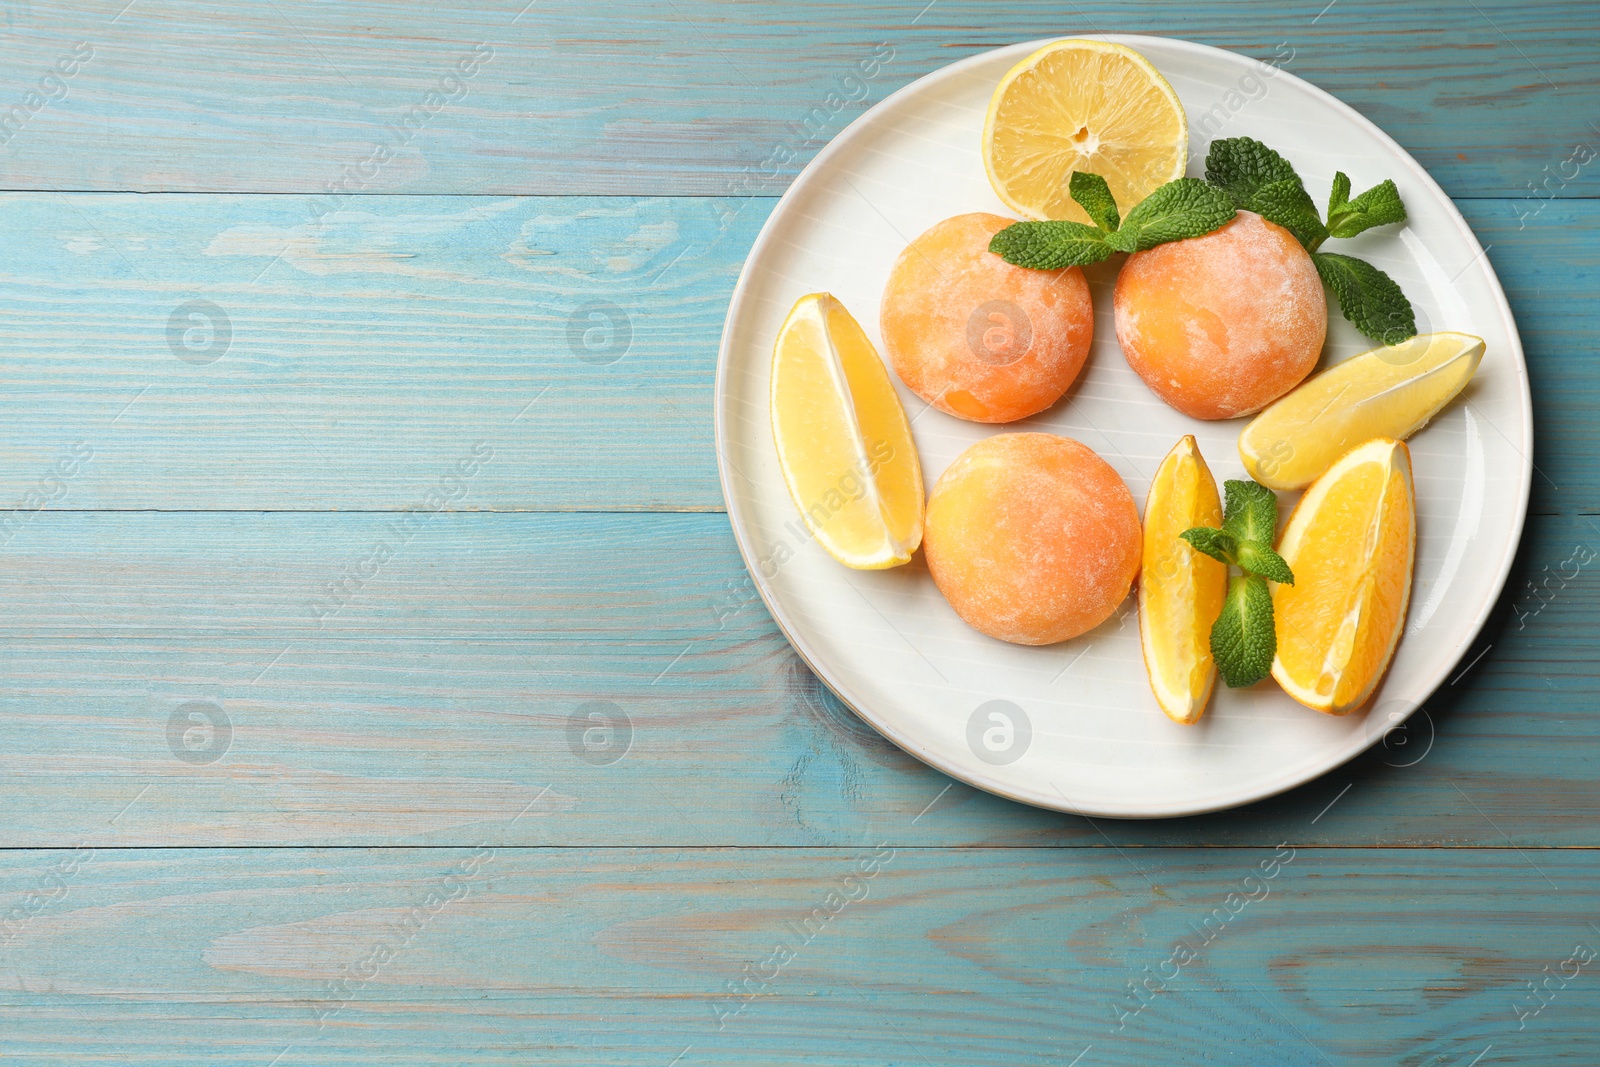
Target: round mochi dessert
[[977, 337], [1032, 538], [1223, 324]]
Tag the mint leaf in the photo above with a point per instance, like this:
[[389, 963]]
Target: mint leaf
[[1214, 543], [1185, 207], [1378, 206], [1340, 194], [1369, 298], [1249, 511], [1094, 196], [1243, 640], [1239, 166], [1287, 203], [1256, 558], [1050, 245], [1124, 240]]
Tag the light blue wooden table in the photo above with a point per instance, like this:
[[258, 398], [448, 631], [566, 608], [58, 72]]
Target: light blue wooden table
[[356, 443]]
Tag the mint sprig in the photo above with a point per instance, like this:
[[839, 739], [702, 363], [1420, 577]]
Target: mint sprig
[[1243, 639], [1183, 208], [1255, 178], [1378, 206]]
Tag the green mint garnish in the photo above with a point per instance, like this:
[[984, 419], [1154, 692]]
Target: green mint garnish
[[1051, 245], [1339, 195], [1218, 544], [1369, 297], [1249, 511], [1187, 207], [1378, 206], [1094, 196], [1255, 178], [1180, 209], [1240, 166], [1258, 559], [1243, 640], [1289, 205]]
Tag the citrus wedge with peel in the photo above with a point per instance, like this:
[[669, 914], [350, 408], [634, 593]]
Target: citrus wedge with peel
[[844, 443], [1080, 105], [1388, 392], [1180, 590], [1350, 542]]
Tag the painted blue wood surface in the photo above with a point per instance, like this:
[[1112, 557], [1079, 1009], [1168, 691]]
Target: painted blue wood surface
[[435, 694], [865, 956], [187, 660], [225, 352]]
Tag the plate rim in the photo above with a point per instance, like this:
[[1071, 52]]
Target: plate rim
[[980, 780]]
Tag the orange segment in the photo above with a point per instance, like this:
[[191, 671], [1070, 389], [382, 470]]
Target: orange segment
[[1351, 543], [1180, 590], [843, 439], [1082, 105]]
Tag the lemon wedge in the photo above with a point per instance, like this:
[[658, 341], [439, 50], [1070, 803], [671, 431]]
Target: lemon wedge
[[1180, 590], [1082, 105], [844, 443], [1388, 392], [1351, 542]]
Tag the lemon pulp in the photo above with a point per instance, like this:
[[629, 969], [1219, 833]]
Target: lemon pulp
[[844, 443], [1081, 105], [1388, 392]]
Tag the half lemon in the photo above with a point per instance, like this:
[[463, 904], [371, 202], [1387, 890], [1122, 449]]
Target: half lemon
[[1082, 105]]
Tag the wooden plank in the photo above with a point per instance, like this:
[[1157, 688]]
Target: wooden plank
[[222, 352], [381, 349], [696, 97], [254, 679], [883, 956]]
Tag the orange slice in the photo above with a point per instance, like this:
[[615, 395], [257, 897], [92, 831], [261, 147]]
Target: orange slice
[[1351, 543], [1180, 590]]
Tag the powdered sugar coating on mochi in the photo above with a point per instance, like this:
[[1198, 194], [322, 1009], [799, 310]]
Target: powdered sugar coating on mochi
[[1224, 324], [1032, 538], [976, 337]]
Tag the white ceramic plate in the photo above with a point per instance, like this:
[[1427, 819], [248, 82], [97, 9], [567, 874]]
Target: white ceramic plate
[[1074, 726]]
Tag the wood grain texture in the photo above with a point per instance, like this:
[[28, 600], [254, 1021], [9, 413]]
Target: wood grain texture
[[385, 683], [698, 96], [353, 361], [370, 352], [888, 956]]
